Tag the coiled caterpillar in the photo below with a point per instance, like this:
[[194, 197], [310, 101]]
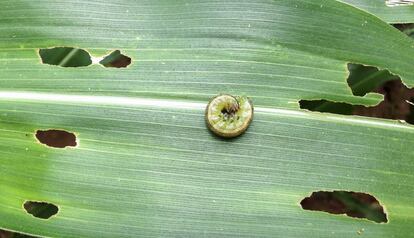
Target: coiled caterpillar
[[229, 116]]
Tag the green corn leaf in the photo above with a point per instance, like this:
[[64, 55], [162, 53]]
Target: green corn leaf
[[145, 164]]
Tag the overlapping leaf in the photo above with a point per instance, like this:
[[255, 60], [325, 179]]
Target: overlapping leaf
[[391, 11]]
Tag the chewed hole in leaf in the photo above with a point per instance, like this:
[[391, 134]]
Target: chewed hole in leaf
[[65, 57], [42, 210], [368, 79], [396, 104], [116, 60], [352, 204], [327, 106], [56, 138], [396, 3], [364, 79]]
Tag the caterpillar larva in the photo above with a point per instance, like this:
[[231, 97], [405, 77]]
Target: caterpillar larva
[[229, 116]]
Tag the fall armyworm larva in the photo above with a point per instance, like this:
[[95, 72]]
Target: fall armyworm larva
[[229, 116]]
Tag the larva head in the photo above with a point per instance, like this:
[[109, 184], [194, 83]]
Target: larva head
[[229, 116]]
